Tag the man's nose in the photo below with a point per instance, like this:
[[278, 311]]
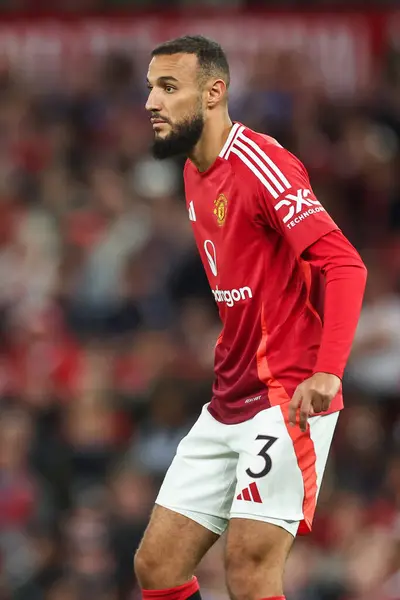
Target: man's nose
[[153, 102]]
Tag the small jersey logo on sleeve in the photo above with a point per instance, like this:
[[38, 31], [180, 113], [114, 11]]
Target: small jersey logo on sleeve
[[295, 208]]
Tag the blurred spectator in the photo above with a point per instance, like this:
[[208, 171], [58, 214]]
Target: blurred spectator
[[157, 438], [374, 365]]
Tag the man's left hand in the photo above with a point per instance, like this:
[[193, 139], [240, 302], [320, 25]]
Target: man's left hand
[[312, 397]]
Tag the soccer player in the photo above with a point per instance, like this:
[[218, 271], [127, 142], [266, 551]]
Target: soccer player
[[289, 289]]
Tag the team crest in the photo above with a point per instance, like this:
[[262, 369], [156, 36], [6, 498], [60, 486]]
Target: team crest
[[221, 206]]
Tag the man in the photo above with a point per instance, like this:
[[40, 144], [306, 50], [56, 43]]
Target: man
[[289, 289]]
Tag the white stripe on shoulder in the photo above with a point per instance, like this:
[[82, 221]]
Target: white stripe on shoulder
[[239, 131], [255, 170], [262, 166], [233, 132], [267, 159]]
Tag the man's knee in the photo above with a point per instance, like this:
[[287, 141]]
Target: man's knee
[[250, 576], [255, 560], [145, 567], [171, 548], [157, 570]]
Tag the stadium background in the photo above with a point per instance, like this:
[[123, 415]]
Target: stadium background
[[107, 324]]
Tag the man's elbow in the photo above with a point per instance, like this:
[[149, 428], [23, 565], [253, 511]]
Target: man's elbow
[[360, 275], [363, 270], [358, 264]]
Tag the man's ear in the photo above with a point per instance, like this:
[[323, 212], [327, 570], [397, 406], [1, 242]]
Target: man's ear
[[216, 93]]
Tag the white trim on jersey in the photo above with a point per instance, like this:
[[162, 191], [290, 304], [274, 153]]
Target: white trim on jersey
[[255, 170], [258, 162], [231, 135], [266, 158], [239, 131]]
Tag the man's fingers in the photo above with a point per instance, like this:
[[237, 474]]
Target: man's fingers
[[293, 406], [321, 403], [317, 404], [312, 397], [306, 406], [326, 402]]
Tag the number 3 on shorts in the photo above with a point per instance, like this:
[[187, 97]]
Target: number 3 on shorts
[[270, 440]]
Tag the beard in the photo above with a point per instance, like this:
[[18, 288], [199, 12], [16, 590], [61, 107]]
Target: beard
[[181, 140]]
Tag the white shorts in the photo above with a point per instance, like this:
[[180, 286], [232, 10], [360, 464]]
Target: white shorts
[[262, 469]]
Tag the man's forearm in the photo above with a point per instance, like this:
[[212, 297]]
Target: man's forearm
[[345, 278]]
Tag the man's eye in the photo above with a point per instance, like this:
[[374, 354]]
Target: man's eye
[[169, 89]]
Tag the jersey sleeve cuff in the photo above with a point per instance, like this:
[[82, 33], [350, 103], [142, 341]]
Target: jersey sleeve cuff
[[331, 370]]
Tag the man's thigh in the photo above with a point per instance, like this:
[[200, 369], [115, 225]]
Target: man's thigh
[[280, 469], [201, 480]]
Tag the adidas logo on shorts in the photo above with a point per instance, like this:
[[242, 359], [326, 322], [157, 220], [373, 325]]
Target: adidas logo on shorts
[[250, 494]]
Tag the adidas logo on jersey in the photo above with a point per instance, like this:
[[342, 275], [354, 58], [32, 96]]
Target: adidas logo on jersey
[[192, 214], [250, 494]]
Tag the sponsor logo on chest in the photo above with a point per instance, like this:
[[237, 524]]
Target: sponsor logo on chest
[[229, 297]]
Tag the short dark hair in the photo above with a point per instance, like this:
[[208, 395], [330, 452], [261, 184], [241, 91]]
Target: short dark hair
[[210, 56]]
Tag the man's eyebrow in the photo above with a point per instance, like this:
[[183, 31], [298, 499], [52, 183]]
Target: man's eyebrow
[[165, 79]]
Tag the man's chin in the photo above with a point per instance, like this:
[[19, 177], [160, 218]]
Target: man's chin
[[170, 142], [161, 148]]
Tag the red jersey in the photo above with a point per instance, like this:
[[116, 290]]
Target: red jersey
[[253, 214]]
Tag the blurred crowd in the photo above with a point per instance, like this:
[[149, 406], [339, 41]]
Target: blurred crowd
[[107, 328], [77, 6]]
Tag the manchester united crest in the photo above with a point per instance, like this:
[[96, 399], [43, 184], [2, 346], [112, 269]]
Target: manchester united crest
[[221, 206]]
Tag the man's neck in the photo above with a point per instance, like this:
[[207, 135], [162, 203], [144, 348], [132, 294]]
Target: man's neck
[[212, 141]]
